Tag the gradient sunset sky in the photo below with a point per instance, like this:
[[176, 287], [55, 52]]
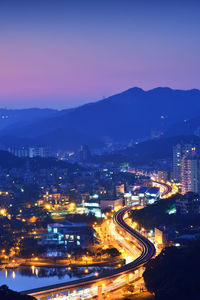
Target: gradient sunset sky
[[63, 53]]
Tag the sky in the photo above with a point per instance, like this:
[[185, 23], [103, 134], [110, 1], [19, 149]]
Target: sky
[[63, 53]]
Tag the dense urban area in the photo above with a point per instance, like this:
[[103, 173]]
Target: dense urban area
[[99, 150], [57, 210]]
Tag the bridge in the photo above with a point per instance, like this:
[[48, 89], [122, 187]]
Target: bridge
[[96, 286]]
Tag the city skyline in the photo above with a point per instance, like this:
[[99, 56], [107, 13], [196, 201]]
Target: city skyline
[[67, 54]]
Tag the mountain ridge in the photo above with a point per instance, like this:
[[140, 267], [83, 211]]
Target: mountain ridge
[[132, 114]]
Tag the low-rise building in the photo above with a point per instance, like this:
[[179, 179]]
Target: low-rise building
[[120, 189], [189, 204], [97, 205], [71, 235], [152, 195], [164, 235], [92, 206], [111, 203]]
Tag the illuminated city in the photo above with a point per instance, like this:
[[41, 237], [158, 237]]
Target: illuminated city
[[99, 150]]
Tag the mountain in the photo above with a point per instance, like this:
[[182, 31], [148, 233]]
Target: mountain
[[155, 153], [185, 127], [132, 114], [19, 117], [160, 148]]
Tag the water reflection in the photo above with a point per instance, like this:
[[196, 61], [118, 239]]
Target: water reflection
[[25, 278], [43, 272], [13, 274]]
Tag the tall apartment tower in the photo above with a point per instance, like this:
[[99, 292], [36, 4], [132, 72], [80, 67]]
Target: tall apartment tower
[[190, 173], [84, 153], [180, 151], [186, 174]]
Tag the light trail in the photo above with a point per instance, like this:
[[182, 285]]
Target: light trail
[[117, 275]]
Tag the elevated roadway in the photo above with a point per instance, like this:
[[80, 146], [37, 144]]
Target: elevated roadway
[[96, 284]]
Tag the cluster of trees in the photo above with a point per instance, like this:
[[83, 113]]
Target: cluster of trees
[[90, 219], [158, 213], [9, 161], [153, 215], [111, 252], [174, 273]]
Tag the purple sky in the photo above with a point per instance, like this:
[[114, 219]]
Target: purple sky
[[63, 53]]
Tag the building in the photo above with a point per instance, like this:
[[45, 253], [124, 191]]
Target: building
[[39, 151], [190, 173], [54, 199], [186, 175], [189, 204], [84, 153], [120, 189], [162, 176], [30, 151], [92, 206], [180, 151], [20, 152], [71, 235], [142, 195], [112, 203], [164, 235], [96, 205], [136, 197], [152, 195]]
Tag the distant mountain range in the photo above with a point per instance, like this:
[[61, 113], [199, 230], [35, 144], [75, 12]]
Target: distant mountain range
[[131, 115]]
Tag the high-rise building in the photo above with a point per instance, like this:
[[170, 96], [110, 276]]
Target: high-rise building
[[30, 151], [19, 151], [180, 151], [84, 153], [186, 174], [190, 173], [39, 151]]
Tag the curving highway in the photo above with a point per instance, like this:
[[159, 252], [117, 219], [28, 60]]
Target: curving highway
[[167, 188], [147, 252], [148, 249]]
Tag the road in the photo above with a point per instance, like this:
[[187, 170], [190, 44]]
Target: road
[[95, 285], [110, 280]]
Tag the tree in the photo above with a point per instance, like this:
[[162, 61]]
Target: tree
[[174, 273], [7, 294], [30, 193]]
